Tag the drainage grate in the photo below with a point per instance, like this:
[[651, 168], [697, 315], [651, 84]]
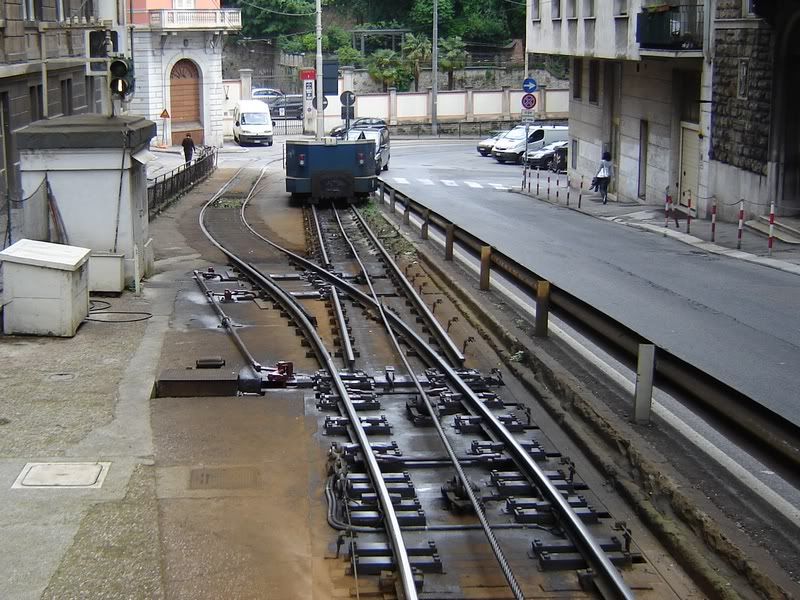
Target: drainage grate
[[224, 478]]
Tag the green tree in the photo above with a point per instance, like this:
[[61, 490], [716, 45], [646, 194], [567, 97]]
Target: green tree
[[416, 52], [385, 66], [349, 56], [421, 15], [452, 56], [272, 18]]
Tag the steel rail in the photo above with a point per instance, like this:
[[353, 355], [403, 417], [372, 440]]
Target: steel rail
[[767, 428], [505, 567], [448, 346], [341, 322], [406, 574], [608, 579], [225, 321]]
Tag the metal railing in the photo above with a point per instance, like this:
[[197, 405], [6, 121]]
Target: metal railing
[[196, 19], [671, 28], [162, 190]]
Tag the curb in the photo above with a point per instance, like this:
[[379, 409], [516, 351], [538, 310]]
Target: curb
[[773, 263]]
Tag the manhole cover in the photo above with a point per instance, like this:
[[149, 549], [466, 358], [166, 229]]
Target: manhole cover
[[62, 475], [224, 478]]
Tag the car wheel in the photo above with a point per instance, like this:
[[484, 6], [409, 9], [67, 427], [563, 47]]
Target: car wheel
[[501, 161], [269, 143], [386, 167]]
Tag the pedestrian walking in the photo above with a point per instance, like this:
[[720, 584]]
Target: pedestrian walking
[[188, 147], [604, 173]]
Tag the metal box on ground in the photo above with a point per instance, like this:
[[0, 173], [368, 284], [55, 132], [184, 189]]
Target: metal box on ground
[[106, 272], [45, 288]]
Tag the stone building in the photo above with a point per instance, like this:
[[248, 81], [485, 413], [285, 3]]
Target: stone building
[[177, 53], [43, 73], [684, 95]]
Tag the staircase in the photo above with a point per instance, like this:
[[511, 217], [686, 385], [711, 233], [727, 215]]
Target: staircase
[[787, 229]]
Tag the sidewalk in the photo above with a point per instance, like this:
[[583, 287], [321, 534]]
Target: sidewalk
[[650, 217]]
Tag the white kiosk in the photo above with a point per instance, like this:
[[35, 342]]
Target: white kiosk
[[89, 172]]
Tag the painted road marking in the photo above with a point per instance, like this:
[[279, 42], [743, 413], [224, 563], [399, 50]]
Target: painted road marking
[[401, 180], [499, 186], [449, 183], [425, 181], [474, 184]]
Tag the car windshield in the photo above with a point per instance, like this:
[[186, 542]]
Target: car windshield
[[355, 134], [516, 134], [254, 119]]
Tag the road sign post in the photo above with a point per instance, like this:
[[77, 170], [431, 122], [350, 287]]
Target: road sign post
[[348, 99]]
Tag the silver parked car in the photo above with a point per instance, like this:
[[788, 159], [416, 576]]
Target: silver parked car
[[485, 146]]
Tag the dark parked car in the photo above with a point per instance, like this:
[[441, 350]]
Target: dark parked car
[[287, 107], [339, 131], [540, 159]]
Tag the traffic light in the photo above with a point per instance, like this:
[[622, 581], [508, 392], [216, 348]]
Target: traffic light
[[121, 79]]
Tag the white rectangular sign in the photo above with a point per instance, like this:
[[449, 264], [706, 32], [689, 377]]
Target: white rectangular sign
[[527, 116]]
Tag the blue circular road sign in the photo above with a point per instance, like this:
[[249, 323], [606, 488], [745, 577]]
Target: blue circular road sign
[[529, 85]]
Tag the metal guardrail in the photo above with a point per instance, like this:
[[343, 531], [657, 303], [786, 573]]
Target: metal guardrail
[[165, 188], [768, 429]]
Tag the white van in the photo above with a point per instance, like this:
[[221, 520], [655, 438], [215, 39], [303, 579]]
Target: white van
[[511, 147], [252, 123]]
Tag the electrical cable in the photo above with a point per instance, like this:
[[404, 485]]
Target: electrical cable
[[277, 12], [145, 317]]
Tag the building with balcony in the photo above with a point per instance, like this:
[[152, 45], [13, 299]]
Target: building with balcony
[[43, 73], [177, 50], [677, 91]]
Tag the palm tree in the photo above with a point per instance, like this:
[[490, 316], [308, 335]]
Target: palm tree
[[383, 67], [417, 51], [452, 56]]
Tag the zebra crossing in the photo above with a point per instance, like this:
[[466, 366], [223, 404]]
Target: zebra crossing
[[476, 185]]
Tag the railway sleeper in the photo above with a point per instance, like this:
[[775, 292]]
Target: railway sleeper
[[374, 518], [372, 425], [545, 516], [399, 503], [353, 450], [359, 548], [513, 503], [474, 423], [533, 448], [573, 561], [330, 402], [402, 489], [556, 477], [375, 565]]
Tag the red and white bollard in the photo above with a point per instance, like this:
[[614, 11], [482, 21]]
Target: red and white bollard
[[714, 220], [580, 193], [537, 182], [568, 190], [689, 213], [741, 226], [548, 187], [771, 227]]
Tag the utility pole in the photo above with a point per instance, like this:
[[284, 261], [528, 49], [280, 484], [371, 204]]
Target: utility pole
[[435, 66], [320, 96]]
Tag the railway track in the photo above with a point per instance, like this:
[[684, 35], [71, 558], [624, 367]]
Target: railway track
[[436, 473]]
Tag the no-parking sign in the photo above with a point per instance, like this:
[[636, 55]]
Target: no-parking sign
[[528, 101]]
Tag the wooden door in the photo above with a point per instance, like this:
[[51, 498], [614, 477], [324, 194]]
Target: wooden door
[[184, 87], [690, 164]]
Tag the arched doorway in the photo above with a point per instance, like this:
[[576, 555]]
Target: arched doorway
[[184, 89]]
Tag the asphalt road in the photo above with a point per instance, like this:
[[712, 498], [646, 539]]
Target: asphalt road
[[735, 320]]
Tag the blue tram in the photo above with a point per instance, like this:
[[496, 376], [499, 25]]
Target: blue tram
[[330, 169]]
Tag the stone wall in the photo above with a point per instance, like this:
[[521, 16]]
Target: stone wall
[[740, 122], [269, 70]]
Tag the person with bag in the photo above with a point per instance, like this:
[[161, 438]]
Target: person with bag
[[604, 174]]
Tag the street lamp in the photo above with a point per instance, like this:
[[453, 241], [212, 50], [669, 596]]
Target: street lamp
[[435, 65]]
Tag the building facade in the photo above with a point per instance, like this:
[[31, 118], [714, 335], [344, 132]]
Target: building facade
[[177, 51], [678, 92], [44, 73]]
